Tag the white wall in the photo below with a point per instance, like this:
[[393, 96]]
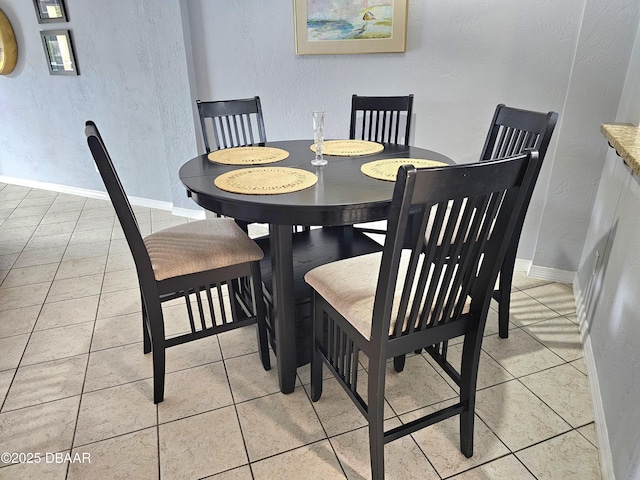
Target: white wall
[[462, 59], [606, 287], [133, 83]]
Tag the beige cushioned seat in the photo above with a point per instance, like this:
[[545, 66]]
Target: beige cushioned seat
[[350, 287], [199, 246]]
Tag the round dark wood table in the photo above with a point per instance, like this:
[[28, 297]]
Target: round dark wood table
[[342, 196]]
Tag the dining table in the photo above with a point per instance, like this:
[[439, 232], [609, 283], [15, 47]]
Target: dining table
[[340, 197]]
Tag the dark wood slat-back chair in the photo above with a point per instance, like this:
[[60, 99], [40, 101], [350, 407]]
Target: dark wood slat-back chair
[[380, 119], [192, 261], [512, 131], [388, 304], [234, 123]]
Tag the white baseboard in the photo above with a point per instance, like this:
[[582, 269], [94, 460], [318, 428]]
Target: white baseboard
[[544, 273], [604, 447], [100, 195]]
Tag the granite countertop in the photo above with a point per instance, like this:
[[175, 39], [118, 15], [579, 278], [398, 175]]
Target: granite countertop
[[625, 138]]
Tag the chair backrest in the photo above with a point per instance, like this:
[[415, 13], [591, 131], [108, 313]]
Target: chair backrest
[[381, 119], [120, 202], [466, 215], [512, 131], [234, 123]]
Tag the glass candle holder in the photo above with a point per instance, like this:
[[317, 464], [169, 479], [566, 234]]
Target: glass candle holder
[[318, 137]]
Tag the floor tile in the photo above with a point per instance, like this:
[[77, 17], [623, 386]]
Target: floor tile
[[120, 280], [69, 288], [505, 468], [81, 267], [18, 320], [29, 471], [566, 457], [559, 335], [42, 428], [566, 391], [589, 432], [556, 296], [95, 234], [121, 261], [117, 331], [517, 416], [116, 366], [29, 258], [193, 391], [67, 312], [60, 240], [418, 385], [441, 443], [520, 354], [12, 349], [115, 411], [524, 310], [54, 229], [248, 378], [127, 457], [118, 303], [182, 442], [86, 250], [316, 461], [55, 343], [19, 277], [403, 458], [17, 297], [277, 423], [239, 342], [45, 382], [6, 377], [240, 473], [7, 261]]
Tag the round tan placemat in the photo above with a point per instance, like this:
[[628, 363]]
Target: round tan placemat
[[248, 155], [265, 180], [348, 148], [388, 169]]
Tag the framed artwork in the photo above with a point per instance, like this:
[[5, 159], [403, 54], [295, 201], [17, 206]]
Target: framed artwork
[[58, 49], [50, 11], [350, 26]]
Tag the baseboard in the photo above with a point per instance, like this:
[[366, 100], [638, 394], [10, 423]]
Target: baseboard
[[544, 273], [604, 447], [85, 192]]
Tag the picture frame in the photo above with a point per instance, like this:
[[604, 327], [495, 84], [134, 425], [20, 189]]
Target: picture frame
[[50, 11], [58, 49], [350, 26]]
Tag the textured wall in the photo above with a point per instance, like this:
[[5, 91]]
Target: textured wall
[[608, 285], [133, 83], [462, 59]]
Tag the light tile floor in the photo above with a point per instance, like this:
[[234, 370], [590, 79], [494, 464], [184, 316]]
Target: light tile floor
[[74, 380]]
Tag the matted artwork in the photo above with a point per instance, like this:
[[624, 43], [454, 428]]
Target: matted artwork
[[350, 26]]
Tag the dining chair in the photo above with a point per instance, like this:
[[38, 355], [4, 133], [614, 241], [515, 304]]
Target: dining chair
[[381, 119], [212, 264], [389, 303], [234, 123], [512, 131]]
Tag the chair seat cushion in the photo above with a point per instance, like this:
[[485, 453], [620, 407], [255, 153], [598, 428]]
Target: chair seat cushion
[[199, 246], [350, 287]]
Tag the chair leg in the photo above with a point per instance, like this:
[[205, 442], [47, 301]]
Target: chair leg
[[155, 321], [159, 360], [316, 356], [260, 311], [506, 280], [146, 338], [375, 401], [398, 362]]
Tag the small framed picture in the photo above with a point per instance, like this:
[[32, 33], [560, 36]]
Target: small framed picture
[[50, 11], [58, 49], [355, 26]]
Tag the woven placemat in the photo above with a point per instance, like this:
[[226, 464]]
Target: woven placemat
[[349, 148], [388, 169], [248, 155], [265, 180]]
